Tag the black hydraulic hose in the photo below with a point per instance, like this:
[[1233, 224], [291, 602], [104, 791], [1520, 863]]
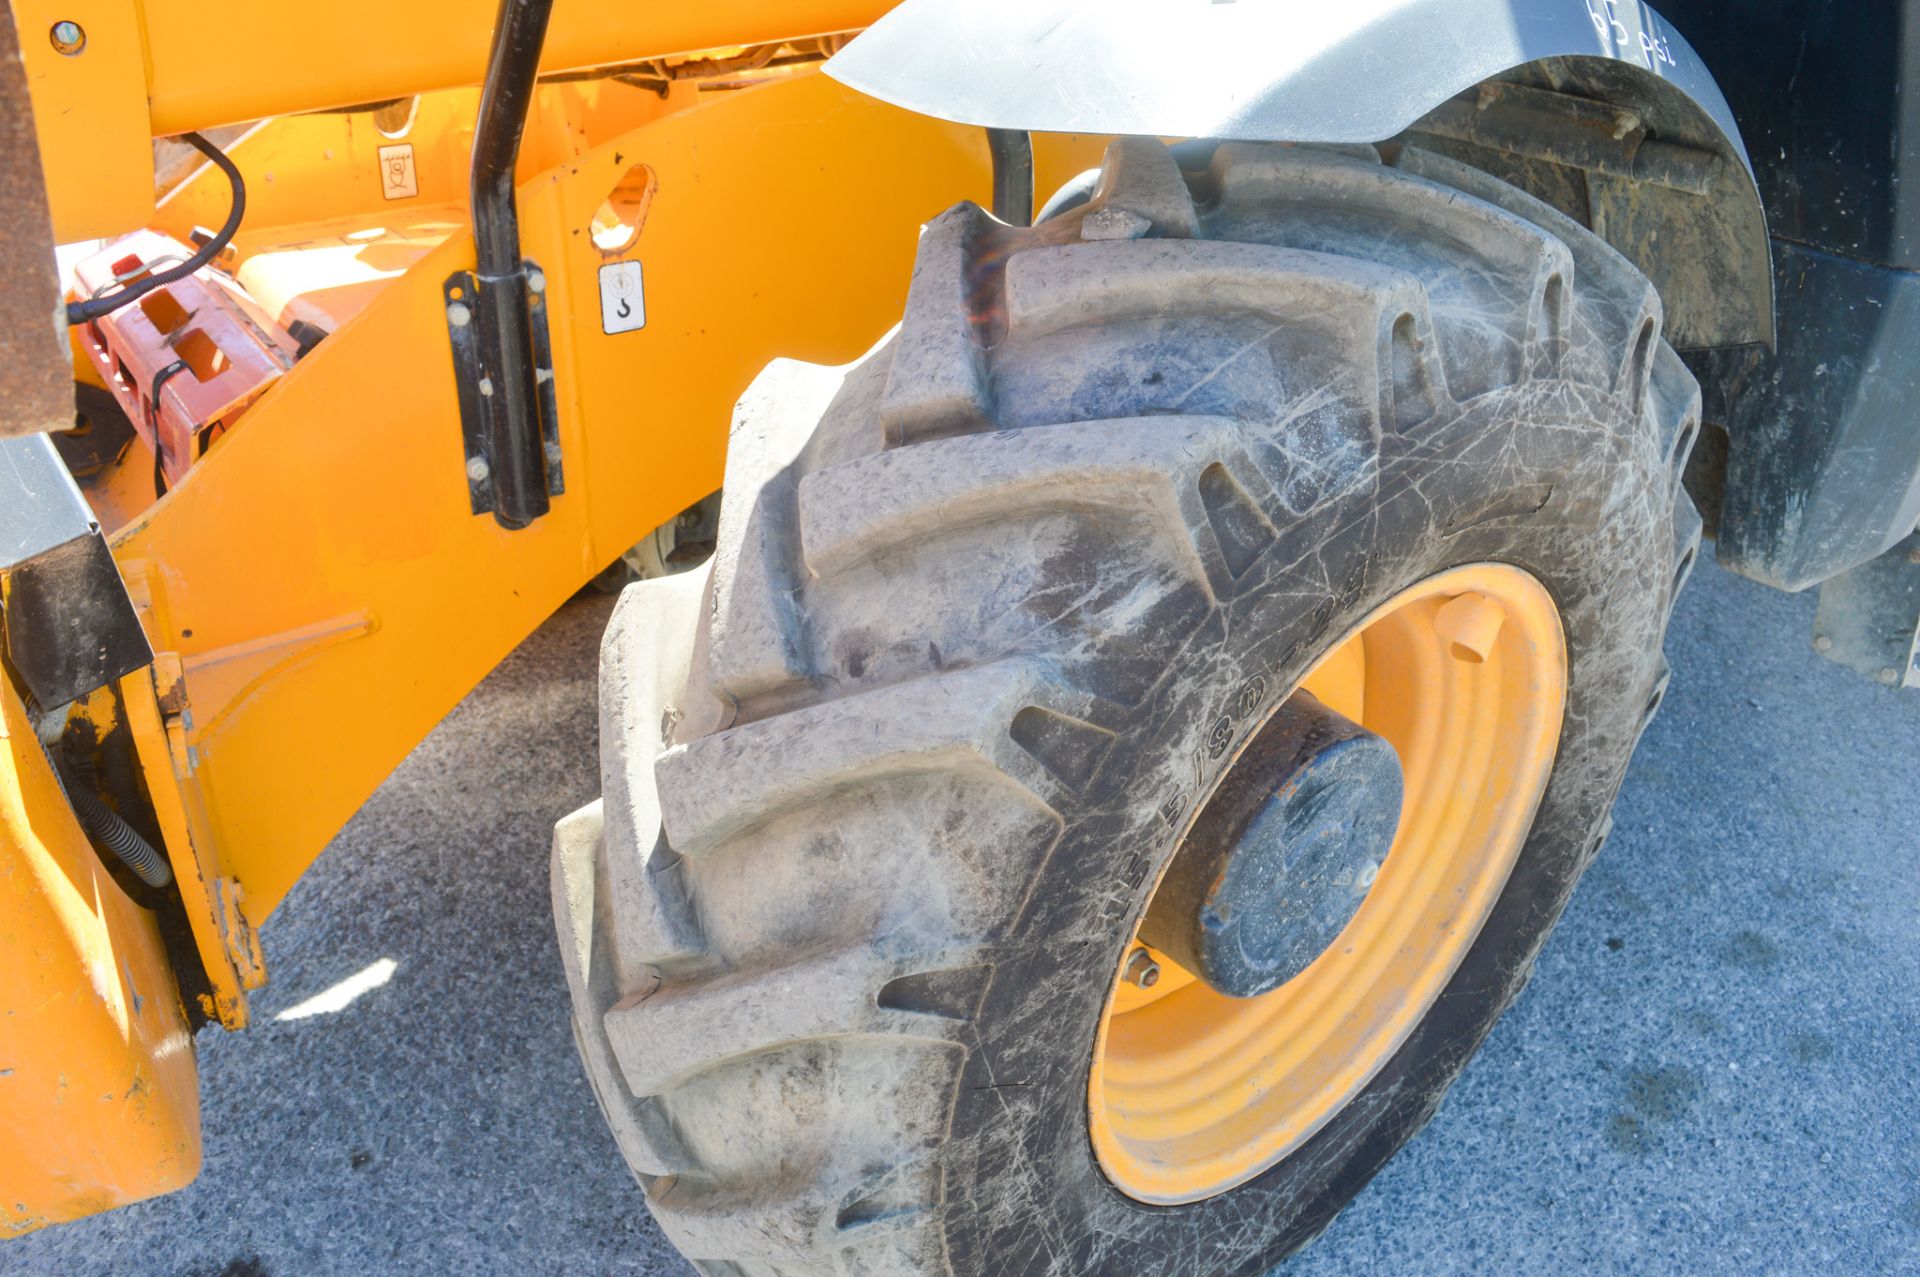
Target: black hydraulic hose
[[503, 326], [121, 786], [153, 417], [103, 824], [513, 66], [83, 312], [109, 829]]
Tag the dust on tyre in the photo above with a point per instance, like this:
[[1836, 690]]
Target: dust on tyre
[[991, 612]]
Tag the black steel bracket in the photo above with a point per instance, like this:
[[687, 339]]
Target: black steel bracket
[[496, 314], [1012, 153], [482, 409]]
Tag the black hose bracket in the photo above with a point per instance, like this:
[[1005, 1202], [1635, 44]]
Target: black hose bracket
[[487, 418], [496, 313]]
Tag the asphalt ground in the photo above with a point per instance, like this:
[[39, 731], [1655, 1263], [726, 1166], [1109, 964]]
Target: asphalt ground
[[1712, 1072]]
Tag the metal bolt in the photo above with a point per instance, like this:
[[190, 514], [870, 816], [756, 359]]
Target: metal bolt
[[1913, 556], [478, 469], [553, 454], [536, 282], [1142, 971], [458, 315], [1889, 676], [486, 387], [68, 38], [1821, 643]]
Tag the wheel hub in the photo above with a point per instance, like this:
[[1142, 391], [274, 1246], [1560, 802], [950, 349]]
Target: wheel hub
[[1279, 862], [1451, 691]]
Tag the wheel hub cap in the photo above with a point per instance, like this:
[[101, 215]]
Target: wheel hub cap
[[1278, 863]]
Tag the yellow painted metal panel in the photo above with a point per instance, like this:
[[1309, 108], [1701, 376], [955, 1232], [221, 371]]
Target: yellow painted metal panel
[[164, 67], [99, 1099], [783, 222], [90, 112], [225, 61], [319, 178]]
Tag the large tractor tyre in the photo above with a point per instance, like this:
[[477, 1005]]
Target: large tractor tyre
[[1100, 585]]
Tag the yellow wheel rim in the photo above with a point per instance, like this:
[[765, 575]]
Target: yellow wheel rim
[[1193, 1092]]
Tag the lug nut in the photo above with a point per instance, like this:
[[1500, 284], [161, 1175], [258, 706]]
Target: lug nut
[[1142, 971]]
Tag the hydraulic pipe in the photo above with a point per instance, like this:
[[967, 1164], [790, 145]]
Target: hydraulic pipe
[[503, 326]]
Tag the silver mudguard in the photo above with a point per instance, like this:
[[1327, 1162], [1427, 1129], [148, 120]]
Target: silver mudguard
[[1348, 71], [1255, 70]]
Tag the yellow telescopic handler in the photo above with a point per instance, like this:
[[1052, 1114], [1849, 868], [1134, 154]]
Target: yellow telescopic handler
[[1145, 532]]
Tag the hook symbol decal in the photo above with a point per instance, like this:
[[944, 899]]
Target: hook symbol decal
[[623, 301]]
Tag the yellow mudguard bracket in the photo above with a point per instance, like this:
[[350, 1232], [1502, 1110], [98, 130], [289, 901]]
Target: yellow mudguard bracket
[[99, 1098]]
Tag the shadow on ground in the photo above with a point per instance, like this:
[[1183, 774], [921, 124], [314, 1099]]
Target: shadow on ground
[[1713, 1071]]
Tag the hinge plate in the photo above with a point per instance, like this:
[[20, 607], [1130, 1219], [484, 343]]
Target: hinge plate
[[459, 293]]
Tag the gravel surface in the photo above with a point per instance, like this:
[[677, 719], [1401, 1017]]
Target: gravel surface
[[1712, 1072]]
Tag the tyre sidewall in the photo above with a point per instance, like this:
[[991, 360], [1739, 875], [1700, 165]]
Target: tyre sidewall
[[1554, 478]]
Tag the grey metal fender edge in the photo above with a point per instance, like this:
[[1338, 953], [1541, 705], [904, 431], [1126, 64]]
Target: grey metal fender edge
[[1360, 71]]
